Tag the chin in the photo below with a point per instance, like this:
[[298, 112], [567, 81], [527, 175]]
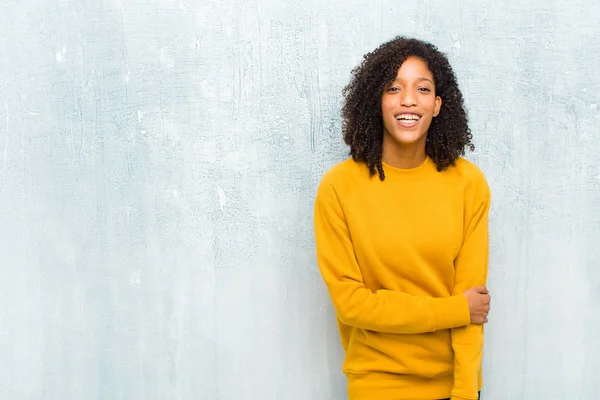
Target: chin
[[408, 139]]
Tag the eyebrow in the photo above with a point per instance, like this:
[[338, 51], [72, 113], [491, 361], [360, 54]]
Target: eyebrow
[[419, 79]]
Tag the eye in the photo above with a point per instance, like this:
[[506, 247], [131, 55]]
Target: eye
[[424, 89], [393, 89]]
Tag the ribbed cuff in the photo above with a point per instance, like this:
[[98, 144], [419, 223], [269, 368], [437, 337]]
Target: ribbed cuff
[[451, 312], [455, 397]]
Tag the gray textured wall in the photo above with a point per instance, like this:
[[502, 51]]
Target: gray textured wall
[[158, 162]]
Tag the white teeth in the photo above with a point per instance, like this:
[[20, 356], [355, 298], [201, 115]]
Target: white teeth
[[411, 117]]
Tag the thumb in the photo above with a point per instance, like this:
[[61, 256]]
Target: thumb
[[482, 290]]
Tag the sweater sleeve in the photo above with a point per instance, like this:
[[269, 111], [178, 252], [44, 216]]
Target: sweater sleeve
[[355, 305], [471, 269]]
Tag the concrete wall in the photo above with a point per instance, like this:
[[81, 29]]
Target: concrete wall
[[158, 162]]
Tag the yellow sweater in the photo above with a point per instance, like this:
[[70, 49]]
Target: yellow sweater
[[396, 257]]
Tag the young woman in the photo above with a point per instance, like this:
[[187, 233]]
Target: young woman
[[401, 231]]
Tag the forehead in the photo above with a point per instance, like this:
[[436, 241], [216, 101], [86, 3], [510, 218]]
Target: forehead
[[414, 68]]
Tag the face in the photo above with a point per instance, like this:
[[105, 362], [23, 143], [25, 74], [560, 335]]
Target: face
[[408, 104]]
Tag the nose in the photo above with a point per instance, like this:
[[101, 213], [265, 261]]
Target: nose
[[408, 98]]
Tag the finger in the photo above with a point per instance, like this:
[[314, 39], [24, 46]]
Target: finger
[[482, 289]]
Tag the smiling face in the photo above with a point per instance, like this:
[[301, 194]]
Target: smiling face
[[408, 104]]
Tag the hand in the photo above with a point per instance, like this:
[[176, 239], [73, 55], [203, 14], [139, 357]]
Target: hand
[[479, 304]]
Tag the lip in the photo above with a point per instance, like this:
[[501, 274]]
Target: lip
[[407, 123], [408, 112]]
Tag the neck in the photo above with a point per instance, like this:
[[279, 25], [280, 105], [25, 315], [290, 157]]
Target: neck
[[399, 156]]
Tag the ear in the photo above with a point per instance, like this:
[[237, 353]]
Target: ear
[[438, 106]]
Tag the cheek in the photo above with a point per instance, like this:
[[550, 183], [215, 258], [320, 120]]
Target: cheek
[[433, 108], [384, 104]]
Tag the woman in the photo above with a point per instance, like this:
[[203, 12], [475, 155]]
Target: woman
[[401, 231]]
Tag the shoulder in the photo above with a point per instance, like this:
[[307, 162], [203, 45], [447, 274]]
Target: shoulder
[[343, 172], [341, 178], [469, 172], [473, 178]]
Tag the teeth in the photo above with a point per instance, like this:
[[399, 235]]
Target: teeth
[[411, 117]]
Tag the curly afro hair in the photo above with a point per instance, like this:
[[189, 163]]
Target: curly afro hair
[[362, 123]]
